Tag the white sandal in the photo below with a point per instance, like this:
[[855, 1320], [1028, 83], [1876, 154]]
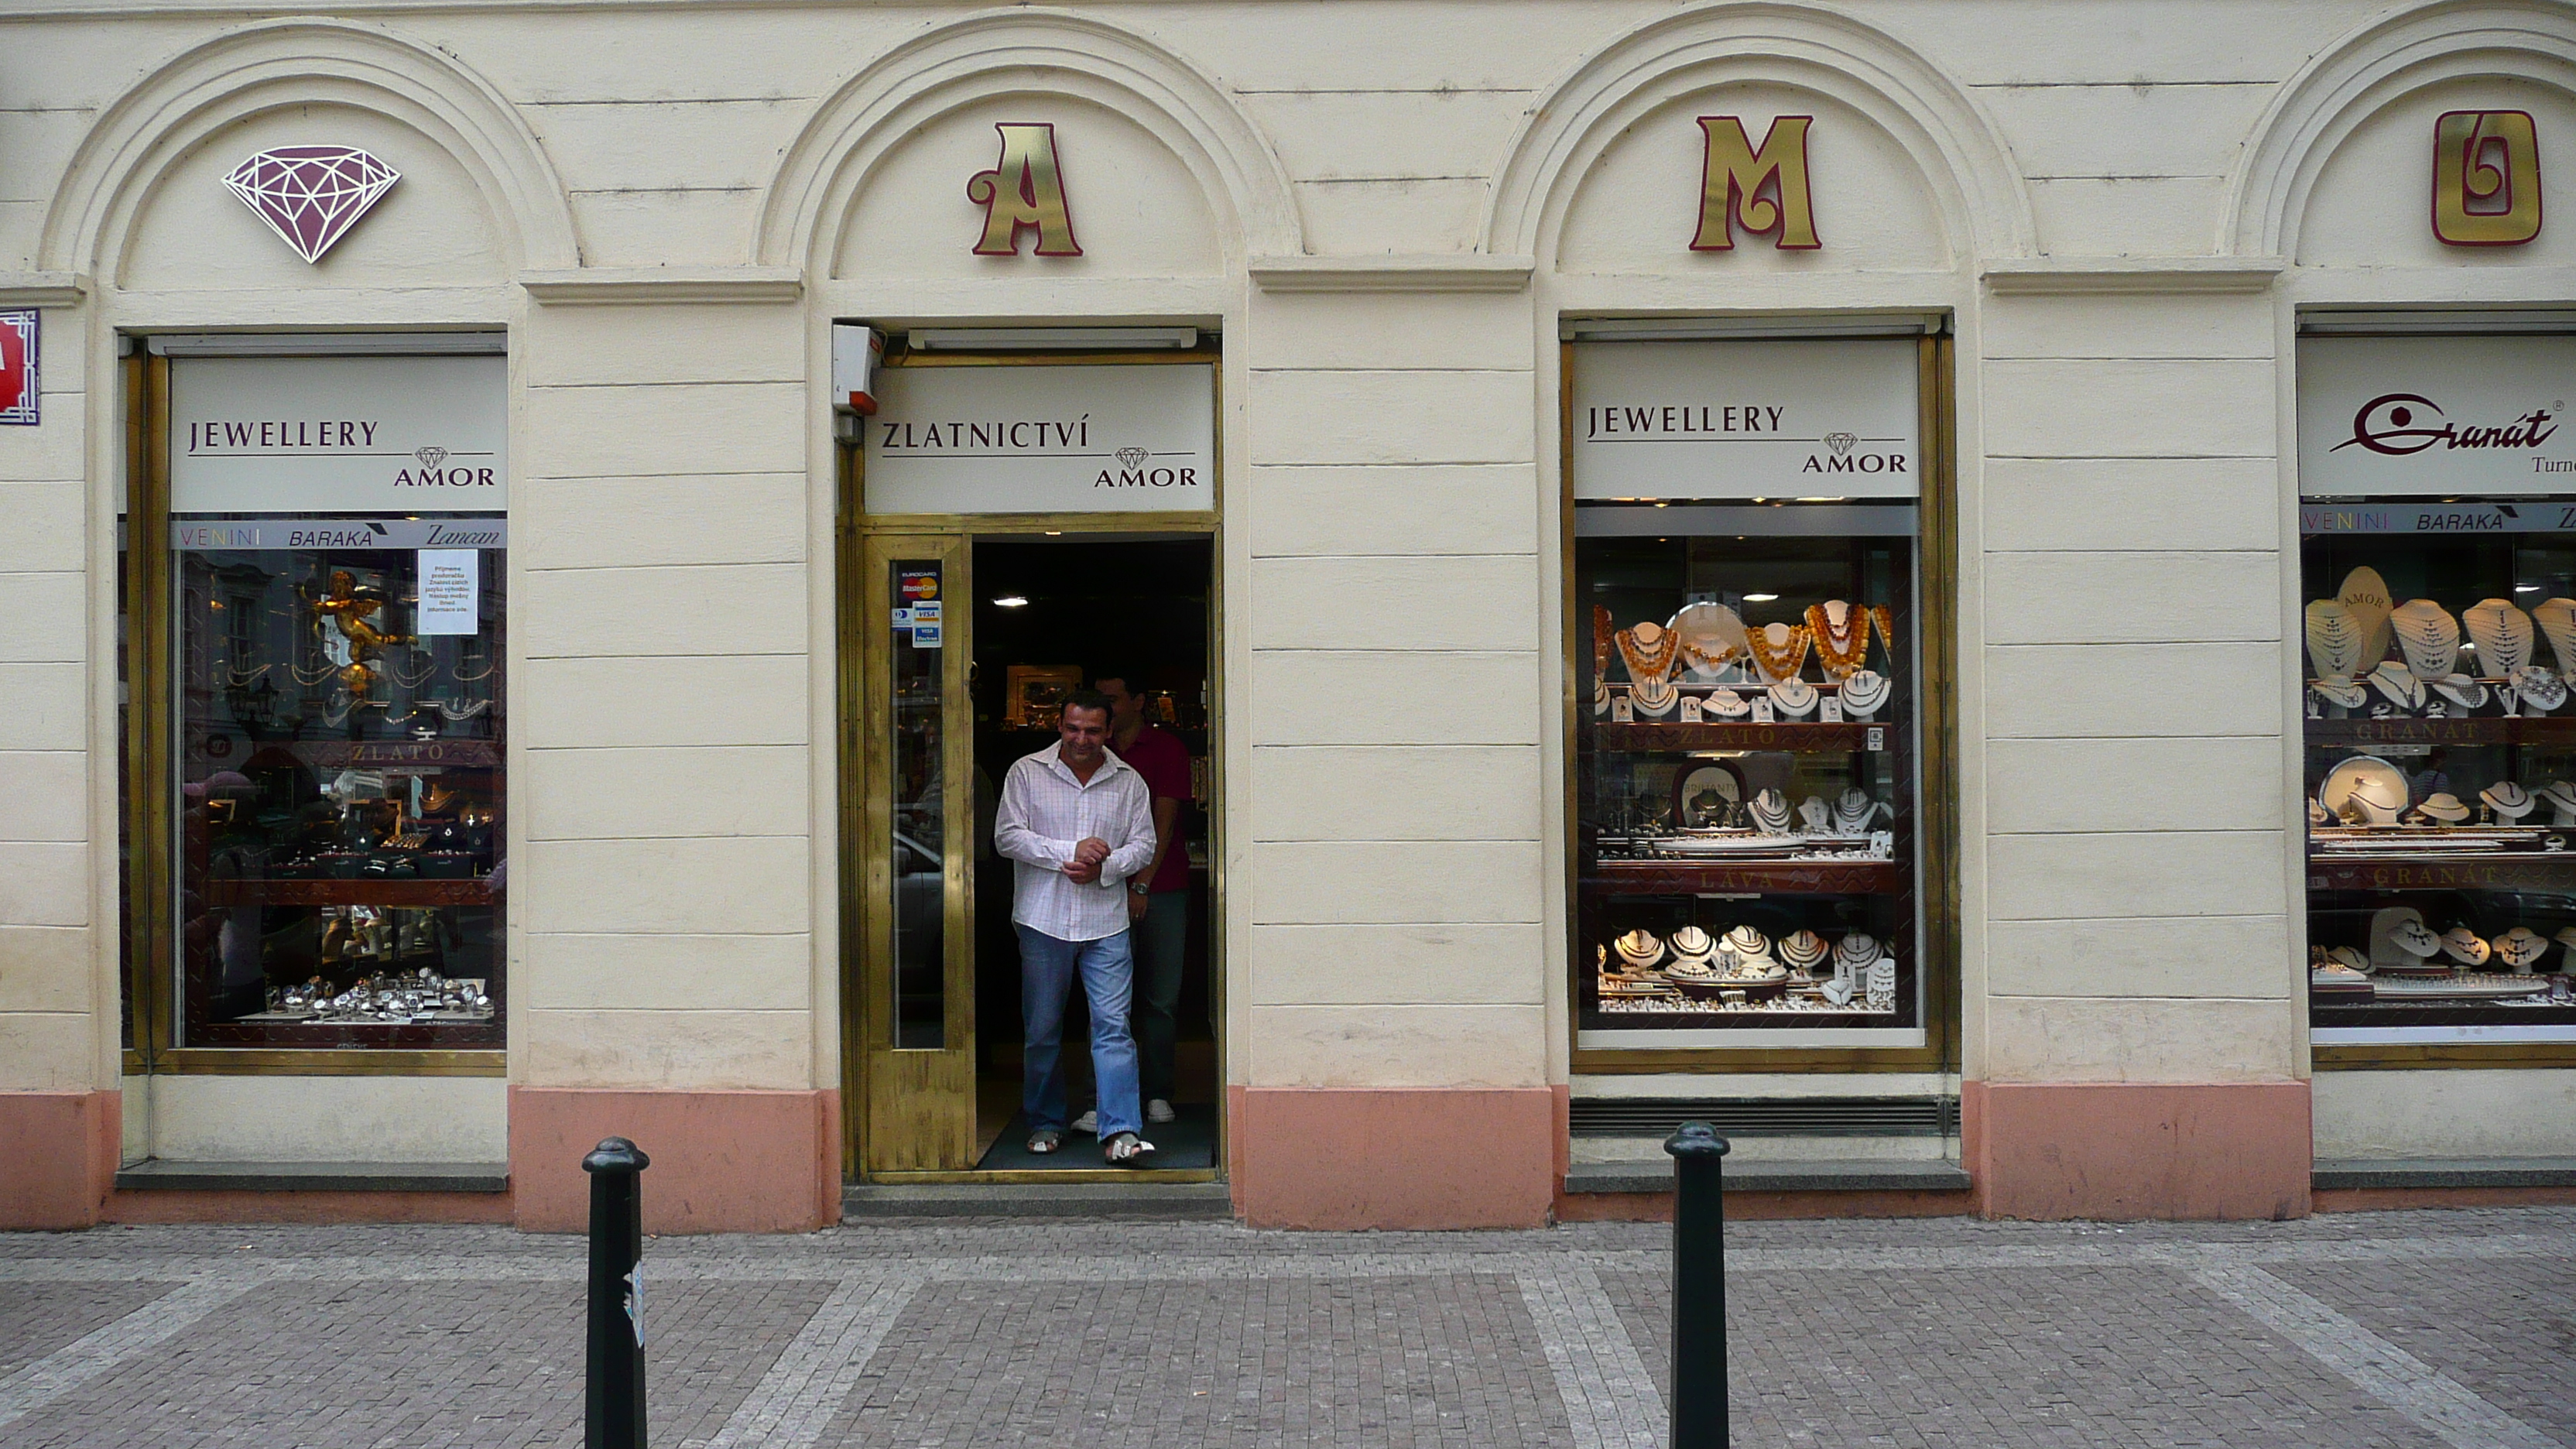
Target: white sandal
[[1126, 1150]]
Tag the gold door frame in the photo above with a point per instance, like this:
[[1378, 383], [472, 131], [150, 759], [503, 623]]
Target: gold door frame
[[865, 643], [1936, 776]]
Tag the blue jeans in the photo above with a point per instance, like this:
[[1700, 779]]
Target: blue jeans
[[1047, 966]]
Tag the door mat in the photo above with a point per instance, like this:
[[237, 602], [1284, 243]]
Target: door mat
[[1189, 1142]]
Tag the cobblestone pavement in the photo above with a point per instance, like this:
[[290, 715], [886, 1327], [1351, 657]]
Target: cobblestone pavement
[[2355, 1331]]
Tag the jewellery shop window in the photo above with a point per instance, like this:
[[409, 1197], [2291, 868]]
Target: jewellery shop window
[[1745, 780], [336, 676], [2440, 633]]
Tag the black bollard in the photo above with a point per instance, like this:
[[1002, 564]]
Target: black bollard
[[613, 1406], [1699, 1287]]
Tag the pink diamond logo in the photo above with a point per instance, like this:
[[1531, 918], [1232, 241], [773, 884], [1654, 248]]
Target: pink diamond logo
[[311, 195]]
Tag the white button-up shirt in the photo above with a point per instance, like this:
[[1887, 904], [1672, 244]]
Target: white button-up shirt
[[1045, 812]]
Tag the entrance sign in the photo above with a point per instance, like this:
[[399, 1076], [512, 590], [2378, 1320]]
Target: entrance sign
[[1024, 189], [1043, 439], [2415, 416], [339, 434], [1746, 419], [1733, 178], [2486, 178], [18, 377]]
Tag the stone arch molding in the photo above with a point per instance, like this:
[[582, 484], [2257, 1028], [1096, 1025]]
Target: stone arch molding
[[1007, 51], [2374, 67], [262, 67], [1964, 161]]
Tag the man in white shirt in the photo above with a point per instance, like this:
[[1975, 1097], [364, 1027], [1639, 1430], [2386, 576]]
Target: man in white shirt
[[1077, 823]]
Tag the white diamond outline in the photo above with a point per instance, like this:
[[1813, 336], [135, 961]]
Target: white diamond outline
[[338, 218]]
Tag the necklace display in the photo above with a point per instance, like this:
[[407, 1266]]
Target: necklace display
[[2538, 688], [2365, 596], [1602, 630], [1865, 693], [1885, 618], [1841, 635], [1727, 703], [1855, 812], [2400, 685], [2428, 636], [1779, 650], [1600, 696], [2466, 946], [1801, 950], [2461, 690], [1770, 812], [2334, 639], [2562, 803], [2557, 621], [1692, 948], [1814, 815], [1710, 637], [1639, 950], [2521, 948], [1655, 696], [1648, 651], [2501, 634], [1794, 698]]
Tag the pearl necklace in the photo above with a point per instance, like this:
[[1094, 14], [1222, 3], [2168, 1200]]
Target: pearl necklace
[[1778, 661], [1840, 648]]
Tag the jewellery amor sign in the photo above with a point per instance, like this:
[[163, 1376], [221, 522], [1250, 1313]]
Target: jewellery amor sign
[[18, 390]]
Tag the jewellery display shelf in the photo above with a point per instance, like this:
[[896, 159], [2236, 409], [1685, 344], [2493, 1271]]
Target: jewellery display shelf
[[1717, 888], [2437, 733], [340, 800]]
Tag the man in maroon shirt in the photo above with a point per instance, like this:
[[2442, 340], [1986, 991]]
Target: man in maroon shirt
[[1158, 901]]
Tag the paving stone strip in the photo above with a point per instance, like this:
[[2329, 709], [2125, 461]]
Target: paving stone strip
[[1185, 1334]]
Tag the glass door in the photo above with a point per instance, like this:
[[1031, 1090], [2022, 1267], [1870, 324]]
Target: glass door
[[915, 976]]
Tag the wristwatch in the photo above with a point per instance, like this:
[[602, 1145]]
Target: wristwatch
[[1137, 888]]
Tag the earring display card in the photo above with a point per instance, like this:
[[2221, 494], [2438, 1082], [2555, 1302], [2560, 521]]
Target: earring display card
[[1746, 872], [2440, 744]]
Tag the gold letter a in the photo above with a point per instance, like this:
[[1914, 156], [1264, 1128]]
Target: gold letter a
[[1026, 188]]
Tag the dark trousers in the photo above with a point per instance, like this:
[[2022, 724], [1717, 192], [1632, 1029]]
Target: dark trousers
[[1162, 942]]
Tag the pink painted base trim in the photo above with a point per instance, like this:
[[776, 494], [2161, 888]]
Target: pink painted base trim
[[1358, 1158], [723, 1162], [329, 1208], [1657, 1207], [2120, 1152], [58, 1154]]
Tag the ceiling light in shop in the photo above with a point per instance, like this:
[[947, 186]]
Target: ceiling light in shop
[[1760, 598], [2526, 588], [1010, 601]]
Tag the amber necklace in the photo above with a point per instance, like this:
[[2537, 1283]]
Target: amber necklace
[[1648, 650], [1885, 618], [1602, 629], [1844, 648], [1778, 661]]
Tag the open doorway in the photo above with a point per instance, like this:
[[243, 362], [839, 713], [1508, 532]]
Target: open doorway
[[1051, 615]]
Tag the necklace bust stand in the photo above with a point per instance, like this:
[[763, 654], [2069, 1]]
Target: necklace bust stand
[[2466, 947], [2560, 797], [2521, 948], [2400, 941]]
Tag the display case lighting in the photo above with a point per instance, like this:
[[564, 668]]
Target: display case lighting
[[1761, 598], [1010, 601]]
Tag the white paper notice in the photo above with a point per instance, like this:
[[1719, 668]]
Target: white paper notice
[[450, 584]]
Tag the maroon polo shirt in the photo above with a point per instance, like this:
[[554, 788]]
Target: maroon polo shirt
[[1159, 756]]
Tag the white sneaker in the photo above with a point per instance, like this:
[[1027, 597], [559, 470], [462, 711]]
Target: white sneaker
[[1088, 1122], [1158, 1110]]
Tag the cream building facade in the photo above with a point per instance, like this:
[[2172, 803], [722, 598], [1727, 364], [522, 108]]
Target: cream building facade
[[1394, 228]]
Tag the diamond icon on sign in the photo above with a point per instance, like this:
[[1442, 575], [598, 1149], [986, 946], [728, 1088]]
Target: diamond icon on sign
[[430, 457], [311, 195], [1132, 457], [1841, 443]]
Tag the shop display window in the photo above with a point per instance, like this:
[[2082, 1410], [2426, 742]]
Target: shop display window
[[2440, 767], [338, 768], [2437, 625], [1744, 778]]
